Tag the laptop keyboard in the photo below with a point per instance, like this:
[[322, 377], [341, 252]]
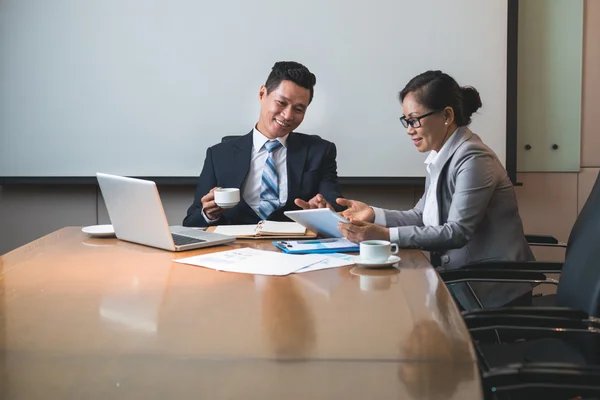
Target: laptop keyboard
[[181, 240]]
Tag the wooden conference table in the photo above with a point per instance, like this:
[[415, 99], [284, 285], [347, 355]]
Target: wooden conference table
[[86, 318]]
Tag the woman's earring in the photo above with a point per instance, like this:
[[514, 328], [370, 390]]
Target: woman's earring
[[445, 123]]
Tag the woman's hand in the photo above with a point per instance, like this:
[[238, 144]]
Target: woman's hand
[[356, 210], [357, 231]]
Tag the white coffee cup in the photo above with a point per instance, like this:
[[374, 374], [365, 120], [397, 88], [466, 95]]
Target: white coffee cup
[[227, 197], [376, 251]]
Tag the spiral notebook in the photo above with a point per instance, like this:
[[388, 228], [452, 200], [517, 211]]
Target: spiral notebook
[[265, 230]]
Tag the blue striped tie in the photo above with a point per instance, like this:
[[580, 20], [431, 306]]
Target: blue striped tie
[[269, 187]]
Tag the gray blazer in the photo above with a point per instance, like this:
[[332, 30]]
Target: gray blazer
[[478, 214]]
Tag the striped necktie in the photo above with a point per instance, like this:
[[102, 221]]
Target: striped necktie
[[269, 187]]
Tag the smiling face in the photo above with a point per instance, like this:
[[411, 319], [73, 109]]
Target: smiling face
[[283, 109], [434, 128]]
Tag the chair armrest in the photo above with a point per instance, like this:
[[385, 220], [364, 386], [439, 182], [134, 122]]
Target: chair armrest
[[509, 321], [543, 380], [538, 266], [529, 326], [544, 240], [552, 312], [493, 275]]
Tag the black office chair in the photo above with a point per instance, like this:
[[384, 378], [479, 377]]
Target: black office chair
[[569, 378], [579, 238], [541, 381], [567, 333], [546, 241]]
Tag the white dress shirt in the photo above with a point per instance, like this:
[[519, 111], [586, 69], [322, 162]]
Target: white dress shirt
[[430, 209], [251, 188], [258, 158], [433, 163]]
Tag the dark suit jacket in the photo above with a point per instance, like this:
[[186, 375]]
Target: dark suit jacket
[[311, 169]]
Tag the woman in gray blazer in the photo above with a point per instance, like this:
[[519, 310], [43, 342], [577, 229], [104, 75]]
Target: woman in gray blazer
[[469, 210]]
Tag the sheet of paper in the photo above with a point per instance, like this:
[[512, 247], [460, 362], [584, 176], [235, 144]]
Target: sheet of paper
[[332, 260], [252, 261], [236, 230]]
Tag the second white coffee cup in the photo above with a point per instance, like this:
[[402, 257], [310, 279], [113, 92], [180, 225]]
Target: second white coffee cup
[[376, 251]]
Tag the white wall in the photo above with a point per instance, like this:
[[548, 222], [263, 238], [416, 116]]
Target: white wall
[[142, 88]]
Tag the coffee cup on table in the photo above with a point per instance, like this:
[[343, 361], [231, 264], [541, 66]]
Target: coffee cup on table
[[227, 197], [376, 251]]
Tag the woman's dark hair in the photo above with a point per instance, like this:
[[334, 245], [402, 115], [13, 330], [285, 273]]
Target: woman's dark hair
[[437, 90], [291, 71]]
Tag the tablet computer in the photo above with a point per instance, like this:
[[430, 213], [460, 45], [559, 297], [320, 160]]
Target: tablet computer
[[320, 220]]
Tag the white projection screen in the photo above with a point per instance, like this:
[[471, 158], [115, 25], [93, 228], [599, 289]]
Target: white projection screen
[[144, 87]]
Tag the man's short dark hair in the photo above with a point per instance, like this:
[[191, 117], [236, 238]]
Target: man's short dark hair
[[291, 71]]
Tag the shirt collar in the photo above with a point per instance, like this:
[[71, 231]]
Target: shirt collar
[[259, 140], [439, 158]]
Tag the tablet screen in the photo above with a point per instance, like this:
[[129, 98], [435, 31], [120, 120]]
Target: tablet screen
[[320, 220]]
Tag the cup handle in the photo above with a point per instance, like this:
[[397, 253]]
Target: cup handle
[[394, 246]]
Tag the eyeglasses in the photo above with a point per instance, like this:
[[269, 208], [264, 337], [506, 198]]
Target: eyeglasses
[[415, 122]]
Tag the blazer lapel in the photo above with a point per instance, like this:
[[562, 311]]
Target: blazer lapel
[[296, 158], [463, 134], [241, 160]]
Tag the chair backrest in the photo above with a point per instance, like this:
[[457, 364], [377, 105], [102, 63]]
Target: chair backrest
[[579, 285], [230, 137]]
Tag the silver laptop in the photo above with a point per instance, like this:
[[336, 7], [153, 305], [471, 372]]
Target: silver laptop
[[137, 215]]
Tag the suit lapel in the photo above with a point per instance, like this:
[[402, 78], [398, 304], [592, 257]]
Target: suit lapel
[[242, 150], [463, 134], [296, 158]]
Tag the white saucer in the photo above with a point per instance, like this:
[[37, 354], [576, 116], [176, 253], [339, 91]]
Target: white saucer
[[99, 230], [227, 205], [390, 261]]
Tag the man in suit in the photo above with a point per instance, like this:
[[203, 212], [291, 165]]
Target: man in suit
[[275, 168]]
